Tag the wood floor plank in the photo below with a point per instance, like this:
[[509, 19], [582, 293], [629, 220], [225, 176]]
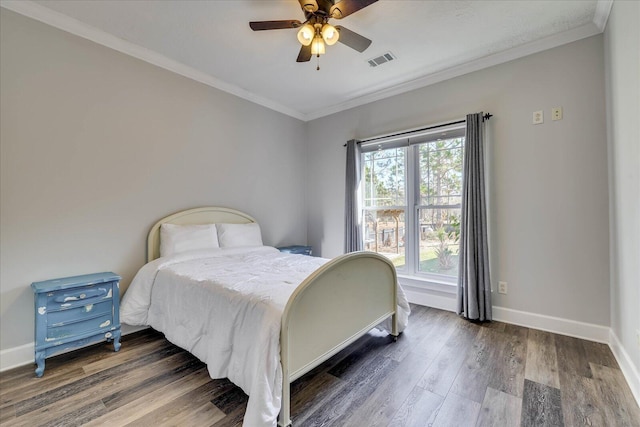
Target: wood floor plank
[[233, 419], [140, 387], [203, 416], [499, 409], [230, 401], [476, 372], [342, 403], [380, 407], [7, 413], [457, 411], [508, 368], [57, 405], [24, 376], [439, 377], [542, 363], [110, 360], [138, 408], [64, 374], [516, 330], [494, 325], [409, 339], [313, 392], [80, 416], [600, 354], [351, 364], [619, 406], [580, 401], [419, 409], [572, 356], [107, 378], [541, 406], [197, 399], [440, 325]]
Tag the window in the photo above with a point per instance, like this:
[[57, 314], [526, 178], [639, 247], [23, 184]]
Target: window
[[411, 197]]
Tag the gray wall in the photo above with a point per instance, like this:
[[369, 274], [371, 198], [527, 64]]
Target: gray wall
[[622, 47], [96, 146], [549, 195]]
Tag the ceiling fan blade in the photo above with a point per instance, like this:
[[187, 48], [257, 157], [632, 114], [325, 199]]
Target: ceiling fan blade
[[353, 40], [305, 54], [309, 5], [274, 25], [347, 7]]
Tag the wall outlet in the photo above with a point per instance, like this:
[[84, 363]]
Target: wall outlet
[[538, 117], [556, 113], [502, 287]]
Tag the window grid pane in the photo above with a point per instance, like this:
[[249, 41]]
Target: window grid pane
[[385, 178], [435, 190], [440, 164], [384, 233]]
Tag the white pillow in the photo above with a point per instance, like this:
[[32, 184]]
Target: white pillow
[[236, 235], [175, 239]]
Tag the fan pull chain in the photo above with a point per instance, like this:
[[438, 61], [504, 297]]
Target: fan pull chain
[[318, 62]]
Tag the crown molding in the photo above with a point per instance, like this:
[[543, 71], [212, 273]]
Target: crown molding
[[63, 22], [603, 9], [378, 93], [372, 94]]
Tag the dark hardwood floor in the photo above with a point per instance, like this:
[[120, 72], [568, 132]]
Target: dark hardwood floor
[[442, 371]]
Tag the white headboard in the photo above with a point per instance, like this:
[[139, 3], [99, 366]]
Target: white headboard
[[204, 215]]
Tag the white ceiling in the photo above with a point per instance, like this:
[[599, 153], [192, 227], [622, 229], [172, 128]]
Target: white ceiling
[[210, 41]]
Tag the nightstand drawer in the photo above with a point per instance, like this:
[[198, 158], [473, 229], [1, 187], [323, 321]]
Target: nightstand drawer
[[79, 326], [79, 297], [81, 313]]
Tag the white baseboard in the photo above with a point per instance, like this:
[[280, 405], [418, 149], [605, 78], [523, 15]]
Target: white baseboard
[[558, 325], [24, 354], [16, 356], [629, 370]]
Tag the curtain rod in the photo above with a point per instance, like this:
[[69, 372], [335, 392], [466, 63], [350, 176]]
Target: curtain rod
[[485, 117]]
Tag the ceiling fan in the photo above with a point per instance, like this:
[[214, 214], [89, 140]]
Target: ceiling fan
[[316, 31]]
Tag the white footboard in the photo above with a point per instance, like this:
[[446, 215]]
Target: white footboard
[[332, 308]]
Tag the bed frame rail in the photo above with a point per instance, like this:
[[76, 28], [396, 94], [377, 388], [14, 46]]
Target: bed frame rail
[[333, 307]]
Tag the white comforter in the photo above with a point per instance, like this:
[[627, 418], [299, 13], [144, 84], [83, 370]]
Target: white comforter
[[225, 307]]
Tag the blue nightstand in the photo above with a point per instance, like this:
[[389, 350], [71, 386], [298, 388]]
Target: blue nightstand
[[75, 311], [296, 249]]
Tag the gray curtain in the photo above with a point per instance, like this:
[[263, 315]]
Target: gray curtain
[[352, 229], [474, 283]]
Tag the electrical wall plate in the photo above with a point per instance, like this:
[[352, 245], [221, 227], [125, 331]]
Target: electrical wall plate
[[502, 287], [556, 113], [538, 117]]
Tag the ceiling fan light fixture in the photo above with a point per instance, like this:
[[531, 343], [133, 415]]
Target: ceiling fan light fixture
[[329, 34], [306, 34], [317, 46], [309, 5]]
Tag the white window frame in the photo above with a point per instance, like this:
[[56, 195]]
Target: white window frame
[[411, 275]]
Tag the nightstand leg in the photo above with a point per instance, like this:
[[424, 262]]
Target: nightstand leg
[[116, 340], [40, 363]]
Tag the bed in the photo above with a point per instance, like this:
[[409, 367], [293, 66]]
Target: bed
[[257, 316]]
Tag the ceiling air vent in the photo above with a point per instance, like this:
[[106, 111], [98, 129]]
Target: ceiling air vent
[[381, 59]]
